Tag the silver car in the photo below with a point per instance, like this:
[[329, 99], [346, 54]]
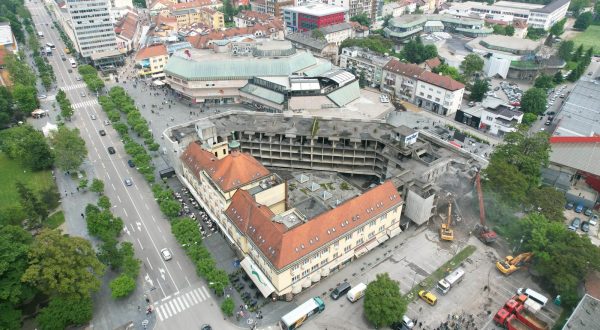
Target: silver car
[[166, 254], [128, 182]]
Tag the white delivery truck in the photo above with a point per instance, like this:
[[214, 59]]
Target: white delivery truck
[[444, 285], [357, 292]]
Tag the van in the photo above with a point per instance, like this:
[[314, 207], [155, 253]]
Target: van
[[340, 290], [533, 295], [357, 292]]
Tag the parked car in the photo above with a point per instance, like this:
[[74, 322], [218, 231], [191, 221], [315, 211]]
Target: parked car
[[42, 96], [93, 117], [575, 223], [106, 122], [579, 208], [128, 182], [111, 150], [102, 132], [547, 123], [585, 226], [340, 290], [587, 212], [594, 220], [82, 94], [429, 297], [166, 254], [569, 206], [130, 163]]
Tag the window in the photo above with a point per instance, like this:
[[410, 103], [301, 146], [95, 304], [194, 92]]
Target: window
[[324, 262], [315, 267], [371, 235], [360, 241], [361, 230], [348, 237], [335, 255], [307, 260], [382, 228], [295, 267], [295, 278], [347, 248], [372, 223], [336, 244], [304, 273]]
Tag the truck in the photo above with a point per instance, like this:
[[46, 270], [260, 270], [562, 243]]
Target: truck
[[357, 292], [444, 285], [508, 320], [511, 264], [530, 319]]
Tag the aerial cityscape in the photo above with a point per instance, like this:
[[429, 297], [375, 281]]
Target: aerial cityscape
[[300, 164]]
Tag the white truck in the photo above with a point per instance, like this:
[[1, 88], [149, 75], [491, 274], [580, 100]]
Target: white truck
[[357, 292], [444, 285]]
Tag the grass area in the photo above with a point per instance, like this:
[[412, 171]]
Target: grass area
[[589, 38], [523, 65], [55, 220], [441, 272], [11, 172]]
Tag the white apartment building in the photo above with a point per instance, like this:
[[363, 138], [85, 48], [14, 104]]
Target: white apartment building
[[439, 94], [501, 119], [93, 27], [547, 16], [356, 7], [364, 63]]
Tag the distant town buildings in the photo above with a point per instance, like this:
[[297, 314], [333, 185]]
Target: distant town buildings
[[365, 64], [408, 26], [151, 61], [493, 115], [128, 31], [312, 16], [271, 7], [247, 18]]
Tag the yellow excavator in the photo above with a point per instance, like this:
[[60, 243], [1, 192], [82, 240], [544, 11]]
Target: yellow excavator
[[446, 233], [511, 264]]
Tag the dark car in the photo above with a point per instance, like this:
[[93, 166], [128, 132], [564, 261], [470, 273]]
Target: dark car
[[569, 206], [588, 212], [111, 150], [551, 113], [340, 290], [205, 327], [585, 226], [575, 223], [102, 132], [579, 208], [130, 163]]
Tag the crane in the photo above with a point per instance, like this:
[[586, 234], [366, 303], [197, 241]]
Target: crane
[[446, 233], [484, 234], [511, 264]]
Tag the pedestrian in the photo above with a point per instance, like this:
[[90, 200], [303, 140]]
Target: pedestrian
[[82, 215], [139, 308]]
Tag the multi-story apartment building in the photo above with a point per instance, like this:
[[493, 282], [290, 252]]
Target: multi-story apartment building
[[92, 25], [276, 7], [246, 18], [439, 94], [203, 15], [545, 17], [400, 79], [365, 64], [356, 7], [152, 60], [312, 16], [212, 18]]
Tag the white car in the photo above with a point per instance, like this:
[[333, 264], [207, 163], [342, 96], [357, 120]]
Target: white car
[[593, 220], [166, 254], [42, 96], [93, 117], [128, 182]]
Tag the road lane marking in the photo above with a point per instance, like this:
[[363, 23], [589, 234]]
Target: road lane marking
[[107, 175], [125, 211], [160, 231], [191, 296], [166, 298], [199, 292], [164, 239], [174, 301], [153, 218], [160, 317], [172, 305], [140, 243], [182, 302], [146, 205], [132, 228], [179, 265], [206, 291], [149, 263], [160, 286], [197, 295], [113, 186], [185, 302], [119, 198]]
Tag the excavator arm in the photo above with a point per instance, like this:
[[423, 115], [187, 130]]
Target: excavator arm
[[485, 235]]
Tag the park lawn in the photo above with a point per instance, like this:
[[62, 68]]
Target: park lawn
[[11, 172], [55, 220], [589, 38]]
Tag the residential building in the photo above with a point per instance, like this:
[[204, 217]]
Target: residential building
[[212, 18], [492, 115], [357, 7], [7, 38], [586, 314], [128, 31], [399, 8], [400, 79], [246, 18], [167, 7], [273, 7], [94, 31], [365, 64], [439, 94], [431, 63], [312, 16], [271, 30], [337, 33], [536, 15], [259, 6], [317, 46], [152, 61], [409, 26]]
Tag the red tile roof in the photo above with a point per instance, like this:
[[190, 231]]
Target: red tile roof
[[231, 172], [201, 41], [151, 51], [444, 82], [405, 69], [575, 139], [433, 62], [254, 15], [127, 25], [283, 247], [192, 4]]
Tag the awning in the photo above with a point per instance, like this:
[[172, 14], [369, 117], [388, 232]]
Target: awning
[[257, 276], [382, 239], [395, 231], [158, 75], [372, 244], [158, 83], [360, 251]]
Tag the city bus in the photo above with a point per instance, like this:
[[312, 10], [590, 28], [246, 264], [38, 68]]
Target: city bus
[[73, 63], [40, 34], [297, 317]]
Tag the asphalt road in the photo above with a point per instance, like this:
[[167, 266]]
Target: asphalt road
[[144, 226]]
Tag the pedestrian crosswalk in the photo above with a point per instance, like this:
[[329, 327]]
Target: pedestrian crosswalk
[[72, 87], [89, 103], [179, 302]]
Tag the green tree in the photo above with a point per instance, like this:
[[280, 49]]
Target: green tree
[[69, 148], [549, 202], [558, 78], [375, 43], [97, 186], [36, 211], [449, 71], [362, 19], [11, 316], [104, 202], [415, 52], [544, 82], [63, 312], [186, 231], [577, 5], [566, 49], [219, 280], [6, 107], [534, 101], [506, 178], [170, 208], [63, 265], [558, 28], [49, 197], [509, 31], [228, 306], [83, 183], [383, 303], [28, 145], [25, 98], [122, 286], [317, 34], [14, 245], [472, 64], [535, 33], [583, 21], [498, 29], [529, 118], [478, 89]]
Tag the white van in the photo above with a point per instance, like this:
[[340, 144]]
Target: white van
[[533, 295], [357, 292]]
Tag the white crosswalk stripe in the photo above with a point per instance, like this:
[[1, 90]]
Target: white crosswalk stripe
[[89, 103], [72, 87], [174, 305]]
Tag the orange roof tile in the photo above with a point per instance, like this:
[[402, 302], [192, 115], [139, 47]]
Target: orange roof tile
[[201, 41], [405, 69], [231, 172], [191, 4], [283, 247], [151, 51], [444, 82], [433, 62]]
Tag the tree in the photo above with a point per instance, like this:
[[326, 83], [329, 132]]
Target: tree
[[362, 19], [104, 202], [478, 89], [36, 211], [471, 64], [228, 306], [6, 107], [558, 28], [529, 118], [506, 178], [415, 52], [383, 303], [375, 43], [25, 98], [28, 145], [509, 30], [583, 21], [186, 231], [549, 202], [386, 20], [498, 29], [170, 208], [83, 183], [69, 148], [219, 280], [544, 82], [63, 265], [449, 71], [534, 101], [558, 78], [566, 49], [317, 34], [63, 312], [228, 10], [97, 186], [14, 245], [535, 33], [122, 286], [577, 5]]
